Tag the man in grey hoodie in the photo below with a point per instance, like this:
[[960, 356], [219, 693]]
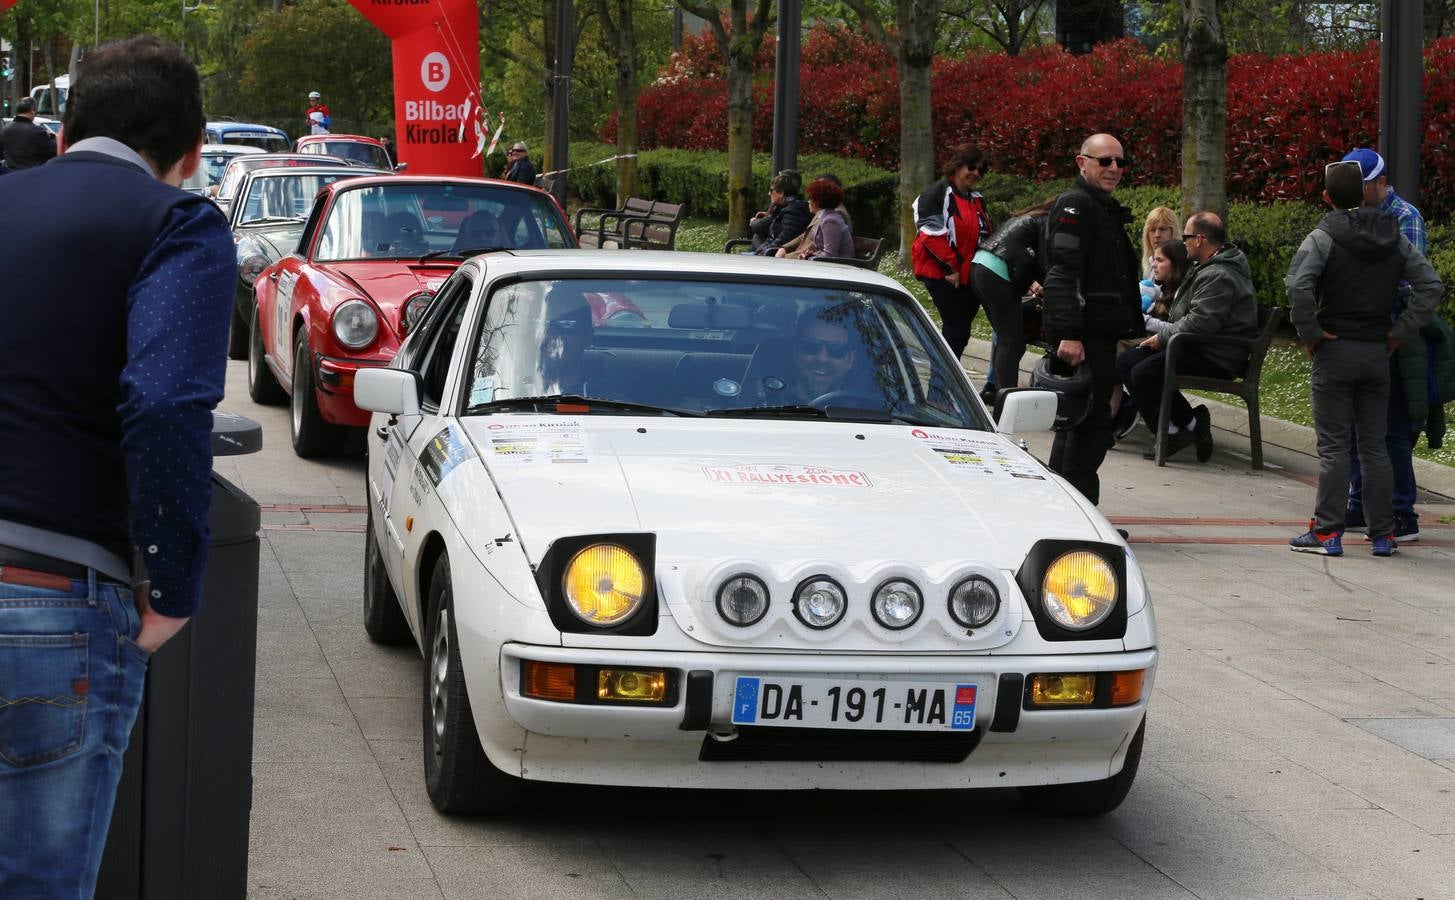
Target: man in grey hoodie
[[1342, 286], [1216, 299]]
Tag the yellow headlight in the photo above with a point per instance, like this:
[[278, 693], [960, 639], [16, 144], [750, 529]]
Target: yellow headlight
[[1079, 590], [604, 584]]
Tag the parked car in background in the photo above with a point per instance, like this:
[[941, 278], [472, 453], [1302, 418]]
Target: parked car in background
[[48, 102], [264, 137], [372, 253], [215, 158], [266, 219], [232, 176], [770, 540], [365, 150]]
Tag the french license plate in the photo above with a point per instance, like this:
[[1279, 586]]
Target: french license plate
[[854, 703]]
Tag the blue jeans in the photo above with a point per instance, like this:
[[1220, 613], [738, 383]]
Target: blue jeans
[[71, 677], [1399, 440]]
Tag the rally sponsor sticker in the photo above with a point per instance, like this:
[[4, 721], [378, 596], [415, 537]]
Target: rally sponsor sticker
[[442, 454], [787, 476], [541, 442], [974, 455]]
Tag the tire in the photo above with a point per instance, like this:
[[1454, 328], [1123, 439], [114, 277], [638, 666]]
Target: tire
[[458, 777], [262, 386], [384, 620], [312, 436], [238, 335], [1089, 798]]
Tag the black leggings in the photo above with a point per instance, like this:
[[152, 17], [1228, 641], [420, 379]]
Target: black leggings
[[1003, 305], [957, 308]]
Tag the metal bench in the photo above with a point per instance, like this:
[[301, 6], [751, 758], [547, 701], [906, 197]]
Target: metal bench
[[639, 223], [1244, 386]]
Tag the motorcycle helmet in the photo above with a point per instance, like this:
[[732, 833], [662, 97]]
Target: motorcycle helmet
[[1073, 390]]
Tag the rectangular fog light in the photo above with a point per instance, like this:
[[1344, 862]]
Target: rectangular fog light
[[1063, 690], [631, 685], [1126, 687], [548, 681]]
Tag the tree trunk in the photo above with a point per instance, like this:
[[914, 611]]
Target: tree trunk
[[626, 134], [740, 134], [1204, 108], [548, 86], [917, 24]]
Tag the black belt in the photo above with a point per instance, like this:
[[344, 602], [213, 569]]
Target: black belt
[[39, 562]]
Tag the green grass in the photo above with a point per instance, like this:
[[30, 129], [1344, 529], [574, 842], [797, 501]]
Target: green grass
[[1285, 383]]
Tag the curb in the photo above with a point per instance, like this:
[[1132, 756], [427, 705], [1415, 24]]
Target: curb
[[1233, 419]]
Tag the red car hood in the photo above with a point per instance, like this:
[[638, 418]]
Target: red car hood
[[389, 282]]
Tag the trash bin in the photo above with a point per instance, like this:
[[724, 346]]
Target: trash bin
[[180, 827]]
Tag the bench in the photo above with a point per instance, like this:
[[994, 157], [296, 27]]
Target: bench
[[1244, 386], [867, 252], [646, 224]]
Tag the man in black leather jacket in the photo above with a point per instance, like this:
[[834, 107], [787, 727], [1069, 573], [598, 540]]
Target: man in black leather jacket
[[1091, 300]]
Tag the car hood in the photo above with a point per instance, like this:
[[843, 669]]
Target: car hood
[[776, 490], [277, 239], [390, 282]]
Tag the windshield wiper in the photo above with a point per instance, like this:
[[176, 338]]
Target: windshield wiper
[[577, 399], [267, 219], [803, 410], [473, 251]]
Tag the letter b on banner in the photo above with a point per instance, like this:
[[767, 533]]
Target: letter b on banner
[[436, 48]]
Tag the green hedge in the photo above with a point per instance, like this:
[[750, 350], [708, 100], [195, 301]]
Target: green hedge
[[1268, 233], [699, 179]]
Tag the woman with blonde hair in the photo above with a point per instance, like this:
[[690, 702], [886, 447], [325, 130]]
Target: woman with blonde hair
[[1161, 225]]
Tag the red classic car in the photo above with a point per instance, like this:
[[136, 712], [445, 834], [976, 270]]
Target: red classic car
[[372, 254], [356, 148]]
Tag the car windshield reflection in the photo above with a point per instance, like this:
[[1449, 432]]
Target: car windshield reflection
[[410, 219], [688, 347], [284, 196]]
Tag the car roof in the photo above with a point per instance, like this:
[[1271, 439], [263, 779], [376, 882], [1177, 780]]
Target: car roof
[[280, 171], [434, 179], [244, 126], [234, 149], [348, 138], [682, 265]]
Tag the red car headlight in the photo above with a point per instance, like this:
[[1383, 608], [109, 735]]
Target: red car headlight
[[414, 309], [355, 324]]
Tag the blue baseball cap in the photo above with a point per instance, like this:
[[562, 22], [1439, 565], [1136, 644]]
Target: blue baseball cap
[[1371, 164]]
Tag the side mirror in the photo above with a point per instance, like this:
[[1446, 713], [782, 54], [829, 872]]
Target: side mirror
[[1021, 410], [401, 167], [392, 391]]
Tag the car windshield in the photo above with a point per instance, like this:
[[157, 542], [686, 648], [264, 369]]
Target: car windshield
[[412, 219], [751, 350], [368, 154], [239, 166], [284, 195], [273, 143]]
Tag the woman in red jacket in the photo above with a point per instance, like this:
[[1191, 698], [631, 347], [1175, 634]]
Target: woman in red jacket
[[950, 220]]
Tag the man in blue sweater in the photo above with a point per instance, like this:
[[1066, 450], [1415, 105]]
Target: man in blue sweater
[[111, 370]]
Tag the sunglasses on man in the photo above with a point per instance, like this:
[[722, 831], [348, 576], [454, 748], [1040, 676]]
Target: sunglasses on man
[[1105, 161], [565, 326], [814, 346]]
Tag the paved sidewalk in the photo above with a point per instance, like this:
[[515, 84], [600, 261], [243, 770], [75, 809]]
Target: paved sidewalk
[[1301, 738]]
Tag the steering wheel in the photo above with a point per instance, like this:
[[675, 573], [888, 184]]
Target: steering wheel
[[835, 398]]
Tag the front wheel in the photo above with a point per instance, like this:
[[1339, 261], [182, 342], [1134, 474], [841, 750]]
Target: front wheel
[[312, 435], [262, 386], [457, 775], [237, 336], [384, 620], [1089, 798]]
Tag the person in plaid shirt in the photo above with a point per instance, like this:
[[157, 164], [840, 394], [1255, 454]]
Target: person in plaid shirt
[[1400, 437]]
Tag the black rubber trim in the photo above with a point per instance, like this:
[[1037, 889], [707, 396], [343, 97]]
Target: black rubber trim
[[1040, 557], [553, 564], [1008, 702], [697, 710]]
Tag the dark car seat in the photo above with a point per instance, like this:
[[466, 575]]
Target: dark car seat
[[404, 233]]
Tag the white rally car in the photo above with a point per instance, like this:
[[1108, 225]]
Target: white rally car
[[763, 535]]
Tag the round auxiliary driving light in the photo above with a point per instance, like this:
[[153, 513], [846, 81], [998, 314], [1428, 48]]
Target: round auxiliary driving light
[[820, 602], [1079, 590], [974, 602], [742, 600], [896, 604], [604, 585]]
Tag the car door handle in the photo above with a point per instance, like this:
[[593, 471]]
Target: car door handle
[[383, 433]]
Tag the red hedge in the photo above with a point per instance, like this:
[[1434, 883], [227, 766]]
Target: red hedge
[[1287, 115]]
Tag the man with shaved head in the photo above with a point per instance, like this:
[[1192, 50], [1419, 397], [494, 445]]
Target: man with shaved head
[[1091, 300], [1215, 299]]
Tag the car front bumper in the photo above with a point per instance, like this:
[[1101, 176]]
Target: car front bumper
[[693, 743], [334, 377]]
